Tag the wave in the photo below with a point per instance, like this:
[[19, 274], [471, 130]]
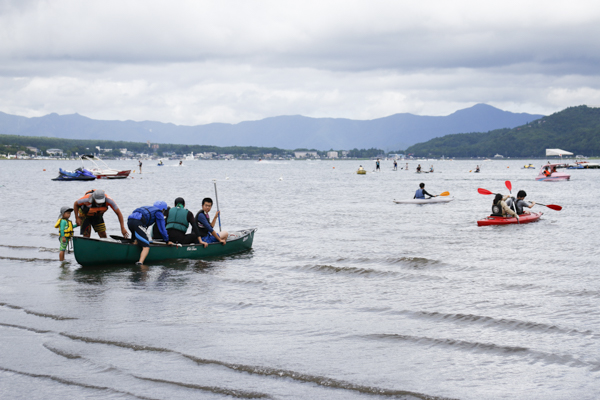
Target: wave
[[213, 389], [39, 314], [26, 328], [551, 358], [509, 323], [60, 352], [28, 259], [330, 269], [73, 383], [263, 371]]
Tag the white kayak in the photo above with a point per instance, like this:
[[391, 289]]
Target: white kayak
[[425, 201]]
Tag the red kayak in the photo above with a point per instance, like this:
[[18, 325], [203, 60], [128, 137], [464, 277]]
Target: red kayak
[[523, 219]]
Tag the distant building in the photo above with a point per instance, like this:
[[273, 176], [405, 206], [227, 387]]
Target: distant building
[[155, 146], [33, 149], [306, 154], [54, 152], [332, 154]]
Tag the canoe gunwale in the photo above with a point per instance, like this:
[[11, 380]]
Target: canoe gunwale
[[105, 251]]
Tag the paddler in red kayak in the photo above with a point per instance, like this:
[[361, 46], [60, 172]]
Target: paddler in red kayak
[[520, 203], [500, 208]]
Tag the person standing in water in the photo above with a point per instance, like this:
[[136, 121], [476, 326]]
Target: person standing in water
[[140, 165], [377, 165], [395, 165]]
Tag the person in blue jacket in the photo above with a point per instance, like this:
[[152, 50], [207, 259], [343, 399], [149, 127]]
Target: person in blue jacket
[[421, 193], [208, 234], [139, 221]]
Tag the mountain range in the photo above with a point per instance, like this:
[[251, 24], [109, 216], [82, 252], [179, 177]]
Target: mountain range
[[394, 132]]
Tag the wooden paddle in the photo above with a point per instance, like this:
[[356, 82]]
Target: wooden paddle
[[550, 206]]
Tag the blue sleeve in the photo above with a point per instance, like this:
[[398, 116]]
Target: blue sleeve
[[160, 222], [202, 220]]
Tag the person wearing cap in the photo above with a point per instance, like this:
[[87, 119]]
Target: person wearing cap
[[139, 221], [65, 230], [177, 220], [89, 211]]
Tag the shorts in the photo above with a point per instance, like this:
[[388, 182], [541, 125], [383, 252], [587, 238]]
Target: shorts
[[63, 246], [210, 239], [95, 221], [138, 232]]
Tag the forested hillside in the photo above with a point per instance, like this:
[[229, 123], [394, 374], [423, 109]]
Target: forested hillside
[[575, 129]]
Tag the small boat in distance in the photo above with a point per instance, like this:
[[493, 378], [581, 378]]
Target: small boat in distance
[[80, 174], [432, 200], [548, 172], [361, 171], [528, 166], [103, 171]]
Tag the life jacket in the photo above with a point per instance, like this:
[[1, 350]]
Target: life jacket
[[419, 194], [203, 231], [497, 210], [177, 219], [68, 230], [148, 214], [93, 208], [547, 172]]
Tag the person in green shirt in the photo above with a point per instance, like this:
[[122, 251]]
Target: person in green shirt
[[65, 230]]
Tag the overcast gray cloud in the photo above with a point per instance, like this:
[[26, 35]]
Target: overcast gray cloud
[[194, 62]]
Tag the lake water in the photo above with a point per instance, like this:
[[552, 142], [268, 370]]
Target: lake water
[[345, 295]]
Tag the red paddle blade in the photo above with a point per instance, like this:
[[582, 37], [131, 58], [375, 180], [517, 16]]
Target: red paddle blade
[[554, 207], [484, 191], [508, 185]]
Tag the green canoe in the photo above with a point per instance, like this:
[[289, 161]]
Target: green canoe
[[91, 251]]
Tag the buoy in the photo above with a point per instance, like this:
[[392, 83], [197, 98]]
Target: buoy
[[333, 167], [281, 178], [507, 167], [44, 169]]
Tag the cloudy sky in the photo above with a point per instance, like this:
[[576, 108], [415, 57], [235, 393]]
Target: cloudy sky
[[196, 62]]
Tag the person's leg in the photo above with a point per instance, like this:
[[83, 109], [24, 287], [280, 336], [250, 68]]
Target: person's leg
[[61, 256], [144, 254], [99, 225], [86, 227], [62, 248]]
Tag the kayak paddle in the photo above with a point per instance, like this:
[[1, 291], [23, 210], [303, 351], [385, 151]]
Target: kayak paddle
[[217, 198], [484, 191], [551, 206], [509, 187], [444, 194]]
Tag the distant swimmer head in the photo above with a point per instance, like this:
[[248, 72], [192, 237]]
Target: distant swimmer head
[[161, 205], [421, 185], [179, 200]]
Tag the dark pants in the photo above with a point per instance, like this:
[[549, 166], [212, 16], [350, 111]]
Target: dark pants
[[177, 236]]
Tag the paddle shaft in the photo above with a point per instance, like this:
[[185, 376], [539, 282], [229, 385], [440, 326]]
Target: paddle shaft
[[509, 187], [217, 200]]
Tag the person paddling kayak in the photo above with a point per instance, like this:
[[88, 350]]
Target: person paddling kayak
[[421, 193], [500, 208]]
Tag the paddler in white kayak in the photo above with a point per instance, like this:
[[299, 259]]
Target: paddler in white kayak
[[421, 193]]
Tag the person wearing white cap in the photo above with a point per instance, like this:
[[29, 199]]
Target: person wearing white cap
[[89, 211]]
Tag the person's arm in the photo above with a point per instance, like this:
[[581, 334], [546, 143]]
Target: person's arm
[[425, 193], [204, 222], [63, 225], [507, 209], [76, 212], [160, 223], [215, 218], [122, 222]]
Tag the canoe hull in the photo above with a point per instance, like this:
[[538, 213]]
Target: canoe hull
[[94, 252], [523, 219], [433, 200]]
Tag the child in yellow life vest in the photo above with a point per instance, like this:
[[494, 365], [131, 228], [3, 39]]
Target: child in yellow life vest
[[65, 229]]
